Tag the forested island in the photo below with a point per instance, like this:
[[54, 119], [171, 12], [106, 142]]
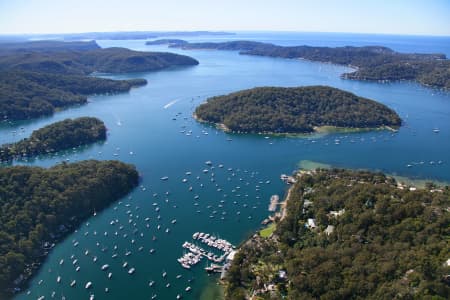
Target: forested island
[[41, 206], [37, 78], [349, 235], [294, 110], [55, 137], [372, 62]]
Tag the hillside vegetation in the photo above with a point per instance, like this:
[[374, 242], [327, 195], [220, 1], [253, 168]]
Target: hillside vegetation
[[27, 95]]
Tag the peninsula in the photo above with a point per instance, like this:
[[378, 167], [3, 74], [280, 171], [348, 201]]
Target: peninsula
[[27, 95], [55, 137], [42, 206], [38, 78], [294, 110], [371, 62], [349, 235]]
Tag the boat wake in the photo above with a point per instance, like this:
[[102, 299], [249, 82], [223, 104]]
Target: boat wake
[[170, 104]]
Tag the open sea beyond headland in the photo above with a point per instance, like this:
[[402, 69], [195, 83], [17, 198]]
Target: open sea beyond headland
[[152, 127]]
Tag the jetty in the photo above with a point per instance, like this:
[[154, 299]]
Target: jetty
[[274, 202]]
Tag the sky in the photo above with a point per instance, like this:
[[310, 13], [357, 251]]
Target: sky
[[416, 17]]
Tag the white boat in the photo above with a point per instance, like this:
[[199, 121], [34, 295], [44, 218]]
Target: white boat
[[72, 284], [105, 267], [151, 283], [125, 264], [58, 279], [187, 289], [164, 178], [164, 274], [77, 269], [131, 271], [88, 285], [109, 275]]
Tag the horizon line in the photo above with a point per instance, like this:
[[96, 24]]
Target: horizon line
[[230, 32]]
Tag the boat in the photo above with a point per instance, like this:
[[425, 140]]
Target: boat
[[436, 130], [164, 274], [174, 221], [88, 285], [72, 284], [105, 267], [58, 279], [109, 275], [164, 178], [77, 269], [61, 261], [91, 297], [187, 289], [125, 264], [151, 283], [131, 271]]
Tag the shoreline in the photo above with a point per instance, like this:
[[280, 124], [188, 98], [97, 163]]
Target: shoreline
[[325, 129], [309, 165]]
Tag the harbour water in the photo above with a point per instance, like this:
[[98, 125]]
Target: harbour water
[[152, 127]]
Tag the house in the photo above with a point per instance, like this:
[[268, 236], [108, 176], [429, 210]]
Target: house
[[311, 223]]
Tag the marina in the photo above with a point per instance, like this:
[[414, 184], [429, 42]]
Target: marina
[[196, 253]]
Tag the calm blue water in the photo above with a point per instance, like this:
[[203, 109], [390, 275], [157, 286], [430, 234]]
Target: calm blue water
[[231, 203]]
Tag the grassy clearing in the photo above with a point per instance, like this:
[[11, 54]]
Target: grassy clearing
[[266, 232]]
